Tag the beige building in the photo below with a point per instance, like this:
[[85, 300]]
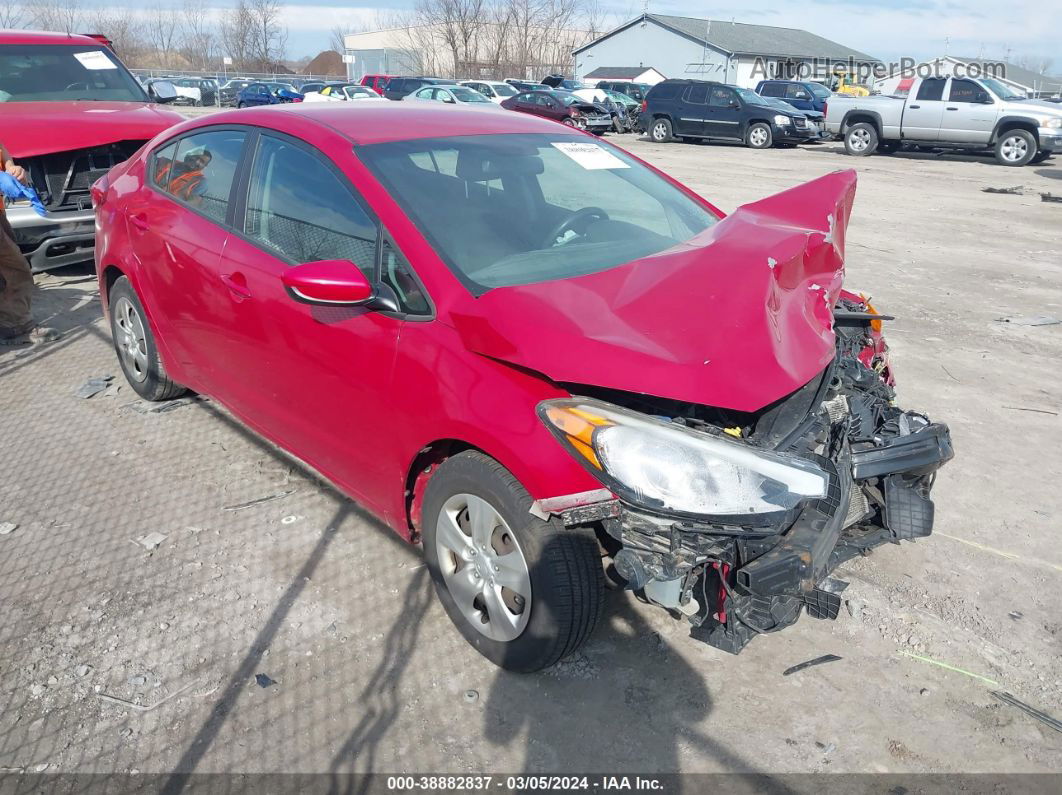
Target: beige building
[[492, 52]]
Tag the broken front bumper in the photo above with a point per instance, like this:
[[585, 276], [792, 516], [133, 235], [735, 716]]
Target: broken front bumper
[[55, 239]]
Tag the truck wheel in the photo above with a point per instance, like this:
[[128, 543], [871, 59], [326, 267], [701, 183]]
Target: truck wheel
[[861, 139], [660, 132], [1015, 148], [758, 136], [523, 592], [135, 345]]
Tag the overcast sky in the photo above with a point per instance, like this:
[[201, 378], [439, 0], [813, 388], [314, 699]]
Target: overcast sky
[[887, 29]]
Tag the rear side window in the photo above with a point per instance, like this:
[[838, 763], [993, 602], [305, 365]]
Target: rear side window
[[697, 94], [200, 169], [794, 91], [664, 91], [932, 88], [772, 89]]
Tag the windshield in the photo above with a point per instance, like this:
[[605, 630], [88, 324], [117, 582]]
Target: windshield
[[751, 97], [468, 95], [999, 89], [503, 89], [57, 73], [504, 210], [359, 91], [279, 86], [622, 98]]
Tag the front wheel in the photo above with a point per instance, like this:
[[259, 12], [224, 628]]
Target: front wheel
[[135, 345], [568, 122], [1015, 148], [758, 136], [660, 131], [523, 592], [861, 140]]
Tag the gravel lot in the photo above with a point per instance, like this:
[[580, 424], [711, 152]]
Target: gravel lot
[[368, 673]]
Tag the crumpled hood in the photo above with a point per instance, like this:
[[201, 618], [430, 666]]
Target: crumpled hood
[[737, 317], [38, 128]]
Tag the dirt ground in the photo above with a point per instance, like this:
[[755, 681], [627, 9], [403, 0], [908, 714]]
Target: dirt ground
[[365, 672]]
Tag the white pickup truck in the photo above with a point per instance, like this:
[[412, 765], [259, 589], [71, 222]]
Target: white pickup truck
[[950, 112]]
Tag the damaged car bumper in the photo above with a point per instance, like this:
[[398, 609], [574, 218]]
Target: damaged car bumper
[[736, 577], [55, 239]]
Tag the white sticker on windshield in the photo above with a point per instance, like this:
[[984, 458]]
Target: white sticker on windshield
[[590, 156], [95, 60]]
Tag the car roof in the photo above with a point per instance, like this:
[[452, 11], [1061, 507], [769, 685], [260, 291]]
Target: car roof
[[45, 37], [372, 123]]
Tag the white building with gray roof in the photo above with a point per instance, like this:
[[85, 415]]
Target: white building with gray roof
[[729, 52]]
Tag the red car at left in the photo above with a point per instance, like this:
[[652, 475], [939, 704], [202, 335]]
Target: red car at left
[[69, 112]]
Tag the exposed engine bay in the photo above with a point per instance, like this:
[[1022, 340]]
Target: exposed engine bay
[[738, 576]]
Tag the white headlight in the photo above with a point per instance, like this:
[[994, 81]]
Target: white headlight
[[779, 119], [669, 467], [1050, 121]]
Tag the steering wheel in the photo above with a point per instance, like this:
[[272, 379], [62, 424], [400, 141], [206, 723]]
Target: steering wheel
[[72, 86], [569, 223]]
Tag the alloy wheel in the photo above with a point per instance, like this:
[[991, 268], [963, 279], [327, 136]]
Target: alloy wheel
[[131, 341], [483, 567], [858, 140], [1014, 148], [758, 137]]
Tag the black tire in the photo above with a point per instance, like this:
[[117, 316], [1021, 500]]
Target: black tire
[[759, 136], [660, 131], [1040, 157], [564, 564], [568, 122], [861, 140], [152, 383], [1015, 147]]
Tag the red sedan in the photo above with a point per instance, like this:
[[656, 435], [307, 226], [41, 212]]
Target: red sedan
[[529, 351]]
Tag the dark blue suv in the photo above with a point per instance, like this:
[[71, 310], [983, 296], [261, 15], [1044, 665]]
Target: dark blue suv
[[799, 94], [266, 94]]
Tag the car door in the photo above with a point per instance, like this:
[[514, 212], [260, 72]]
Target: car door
[[313, 378], [970, 113], [723, 114], [692, 109], [177, 230], [425, 93], [923, 114]]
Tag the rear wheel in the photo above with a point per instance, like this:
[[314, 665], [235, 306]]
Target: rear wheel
[[135, 345], [240, 105], [1015, 148], [660, 131], [524, 592], [861, 139], [758, 136]]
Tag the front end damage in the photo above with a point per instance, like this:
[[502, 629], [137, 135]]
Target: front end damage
[[733, 579]]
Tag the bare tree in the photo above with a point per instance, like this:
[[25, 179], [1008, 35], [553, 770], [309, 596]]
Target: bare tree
[[127, 34], [65, 16], [199, 39], [13, 14], [235, 27], [163, 34], [269, 39]]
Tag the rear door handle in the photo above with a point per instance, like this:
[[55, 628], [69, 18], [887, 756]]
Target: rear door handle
[[139, 222], [237, 284], [950, 108], [913, 107]]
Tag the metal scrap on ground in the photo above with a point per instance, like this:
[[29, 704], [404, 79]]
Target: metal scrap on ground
[[94, 386], [1016, 190], [1043, 717], [826, 658], [1050, 197]]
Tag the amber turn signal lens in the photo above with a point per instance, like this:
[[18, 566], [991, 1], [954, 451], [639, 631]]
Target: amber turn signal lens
[[578, 426]]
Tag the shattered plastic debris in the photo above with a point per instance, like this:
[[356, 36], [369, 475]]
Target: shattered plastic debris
[[7, 527], [263, 680], [826, 658], [151, 540], [1016, 190], [94, 386], [147, 407], [1030, 320]]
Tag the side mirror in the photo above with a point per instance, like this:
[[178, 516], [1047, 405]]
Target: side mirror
[[332, 282], [162, 91]]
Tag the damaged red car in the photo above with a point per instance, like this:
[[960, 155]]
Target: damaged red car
[[536, 355]]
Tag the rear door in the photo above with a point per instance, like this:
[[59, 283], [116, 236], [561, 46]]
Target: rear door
[[922, 115], [692, 108], [723, 117], [313, 378], [178, 228], [969, 113]]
